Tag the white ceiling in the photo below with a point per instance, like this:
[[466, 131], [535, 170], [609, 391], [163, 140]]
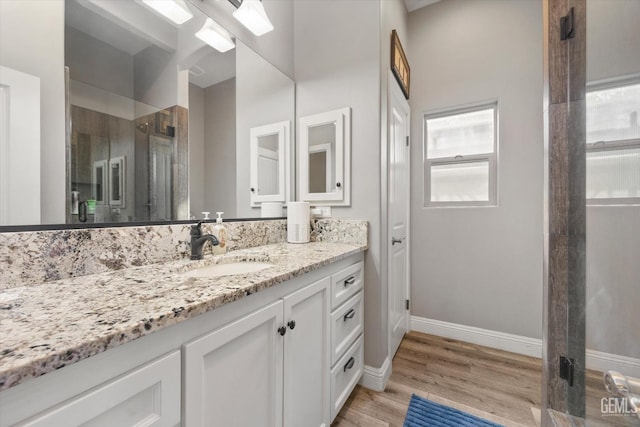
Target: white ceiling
[[417, 4], [104, 23], [217, 67], [88, 22]]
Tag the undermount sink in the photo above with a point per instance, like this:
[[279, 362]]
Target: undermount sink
[[227, 269]]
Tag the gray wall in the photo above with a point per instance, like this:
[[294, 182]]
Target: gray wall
[[156, 79], [32, 41], [98, 64], [481, 267], [259, 101], [613, 232], [219, 176], [196, 150], [337, 65]]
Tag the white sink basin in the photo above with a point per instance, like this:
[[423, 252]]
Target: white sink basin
[[227, 269]]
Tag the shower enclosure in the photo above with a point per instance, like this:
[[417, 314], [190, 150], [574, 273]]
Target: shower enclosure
[[592, 210]]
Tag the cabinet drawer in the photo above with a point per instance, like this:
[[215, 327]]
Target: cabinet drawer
[[346, 325], [345, 375], [346, 283], [149, 395]]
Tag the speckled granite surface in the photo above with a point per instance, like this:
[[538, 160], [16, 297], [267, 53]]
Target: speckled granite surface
[[41, 256], [339, 230], [47, 327], [33, 258]]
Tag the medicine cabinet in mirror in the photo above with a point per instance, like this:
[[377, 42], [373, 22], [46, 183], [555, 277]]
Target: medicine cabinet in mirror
[[325, 158], [116, 106], [269, 152]]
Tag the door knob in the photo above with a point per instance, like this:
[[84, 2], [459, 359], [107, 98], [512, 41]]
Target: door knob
[[395, 240]]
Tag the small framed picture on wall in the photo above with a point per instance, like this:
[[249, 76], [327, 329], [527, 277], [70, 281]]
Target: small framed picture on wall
[[399, 64]]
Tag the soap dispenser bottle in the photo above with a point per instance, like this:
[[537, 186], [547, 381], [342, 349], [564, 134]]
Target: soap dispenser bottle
[[220, 232]]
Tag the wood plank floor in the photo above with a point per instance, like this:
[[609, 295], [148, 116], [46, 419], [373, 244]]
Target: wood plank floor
[[496, 385]]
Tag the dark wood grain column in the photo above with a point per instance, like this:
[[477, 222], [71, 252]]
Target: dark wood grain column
[[565, 207]]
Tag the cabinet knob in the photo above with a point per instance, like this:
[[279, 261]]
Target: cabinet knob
[[282, 330], [338, 185], [350, 281], [253, 190], [349, 314], [349, 364], [292, 324]]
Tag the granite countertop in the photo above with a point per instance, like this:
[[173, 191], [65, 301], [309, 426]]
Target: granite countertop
[[46, 327]]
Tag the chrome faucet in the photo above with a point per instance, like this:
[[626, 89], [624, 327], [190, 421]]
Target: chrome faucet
[[198, 240]]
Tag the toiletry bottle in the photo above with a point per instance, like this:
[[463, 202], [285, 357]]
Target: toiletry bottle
[[221, 234]]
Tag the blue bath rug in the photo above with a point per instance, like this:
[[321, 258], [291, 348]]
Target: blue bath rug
[[425, 413]]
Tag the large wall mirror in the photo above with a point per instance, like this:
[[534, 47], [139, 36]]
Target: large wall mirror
[[141, 119]]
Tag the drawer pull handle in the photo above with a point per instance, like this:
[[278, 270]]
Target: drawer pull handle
[[282, 330], [292, 324], [349, 364], [349, 314], [350, 281]]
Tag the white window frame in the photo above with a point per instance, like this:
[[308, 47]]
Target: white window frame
[[613, 145], [491, 158]]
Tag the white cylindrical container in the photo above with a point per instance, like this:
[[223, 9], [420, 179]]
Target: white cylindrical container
[[298, 222], [271, 210]]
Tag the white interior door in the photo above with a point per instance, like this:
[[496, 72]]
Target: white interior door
[[398, 216], [19, 148]]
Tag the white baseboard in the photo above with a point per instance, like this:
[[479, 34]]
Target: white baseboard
[[376, 378], [601, 361], [596, 360], [500, 340]]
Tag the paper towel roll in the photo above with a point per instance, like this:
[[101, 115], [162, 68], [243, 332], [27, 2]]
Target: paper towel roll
[[271, 210], [298, 222]]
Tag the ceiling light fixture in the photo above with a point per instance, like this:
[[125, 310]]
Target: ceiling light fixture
[[215, 36], [174, 10], [251, 14]]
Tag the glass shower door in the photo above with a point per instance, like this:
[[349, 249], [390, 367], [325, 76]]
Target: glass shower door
[[613, 212]]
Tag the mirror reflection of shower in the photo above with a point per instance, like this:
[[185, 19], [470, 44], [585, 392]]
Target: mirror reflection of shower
[[127, 129]]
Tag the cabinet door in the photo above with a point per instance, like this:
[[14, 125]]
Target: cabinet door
[[306, 356], [148, 396], [233, 376]]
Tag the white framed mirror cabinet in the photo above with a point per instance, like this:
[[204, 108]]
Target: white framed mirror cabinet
[[325, 158], [270, 176]]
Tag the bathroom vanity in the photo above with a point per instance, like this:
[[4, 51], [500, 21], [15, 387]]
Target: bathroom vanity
[[278, 346]]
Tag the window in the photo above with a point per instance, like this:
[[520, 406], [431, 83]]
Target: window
[[613, 144], [460, 157]]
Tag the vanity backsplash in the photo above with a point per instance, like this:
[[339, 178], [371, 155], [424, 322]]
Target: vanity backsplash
[[36, 257]]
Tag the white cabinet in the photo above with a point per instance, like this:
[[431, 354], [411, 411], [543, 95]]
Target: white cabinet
[[345, 375], [288, 355], [325, 158], [233, 376], [347, 325], [269, 368], [147, 396], [270, 171], [306, 356]]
